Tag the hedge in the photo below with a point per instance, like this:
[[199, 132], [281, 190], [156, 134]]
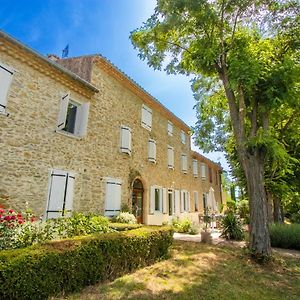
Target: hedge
[[64, 266], [285, 236]]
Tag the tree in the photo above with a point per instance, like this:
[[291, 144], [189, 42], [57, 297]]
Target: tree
[[245, 49]]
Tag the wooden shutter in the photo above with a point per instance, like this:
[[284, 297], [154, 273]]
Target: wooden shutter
[[182, 201], [68, 205], [152, 200], [59, 194], [6, 75], [177, 201], [149, 118], [82, 120], [170, 157], [64, 102], [170, 128], [188, 199], [125, 140], [184, 163], [152, 151], [195, 168], [112, 197], [164, 201]]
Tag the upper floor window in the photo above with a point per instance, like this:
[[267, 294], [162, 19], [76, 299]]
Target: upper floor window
[[203, 170], [125, 145], [170, 157], [184, 164], [210, 175], [6, 75], [217, 177], [195, 167], [170, 128], [152, 151], [146, 117], [73, 116], [183, 137]]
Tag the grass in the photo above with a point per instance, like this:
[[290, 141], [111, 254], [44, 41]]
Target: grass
[[199, 271]]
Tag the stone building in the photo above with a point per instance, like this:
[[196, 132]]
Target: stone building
[[77, 134]]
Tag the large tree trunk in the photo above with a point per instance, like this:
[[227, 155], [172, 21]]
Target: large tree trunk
[[259, 233], [270, 207], [278, 212]]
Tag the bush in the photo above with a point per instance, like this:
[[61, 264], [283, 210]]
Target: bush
[[231, 227], [125, 217], [123, 227], [184, 226], [40, 271], [285, 236]]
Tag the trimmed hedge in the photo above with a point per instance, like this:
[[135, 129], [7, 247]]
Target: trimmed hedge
[[285, 236], [123, 226], [38, 272]]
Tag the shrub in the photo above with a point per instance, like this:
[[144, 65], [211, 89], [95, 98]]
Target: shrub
[[40, 271], [183, 226], [125, 217], [285, 236], [231, 227], [123, 226]]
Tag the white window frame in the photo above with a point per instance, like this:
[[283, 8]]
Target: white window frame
[[81, 118], [170, 128], [185, 201], [162, 195], [195, 168], [6, 77], [146, 118], [112, 208], [183, 137], [152, 151], [67, 194], [203, 170], [170, 157], [184, 163], [125, 140]]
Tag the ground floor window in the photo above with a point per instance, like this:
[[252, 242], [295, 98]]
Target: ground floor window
[[112, 197]]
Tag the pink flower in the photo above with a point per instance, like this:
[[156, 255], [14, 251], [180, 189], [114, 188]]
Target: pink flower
[[7, 218], [2, 211], [13, 218]]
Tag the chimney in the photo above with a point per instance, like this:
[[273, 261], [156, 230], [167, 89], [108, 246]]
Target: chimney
[[53, 57]]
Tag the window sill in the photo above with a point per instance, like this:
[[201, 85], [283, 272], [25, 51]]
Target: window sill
[[171, 168], [4, 113], [146, 127], [70, 135]]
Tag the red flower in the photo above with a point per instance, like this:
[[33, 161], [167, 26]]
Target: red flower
[[19, 215], [13, 218], [2, 211], [11, 211], [20, 221], [7, 218]]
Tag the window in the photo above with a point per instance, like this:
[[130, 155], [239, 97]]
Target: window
[[184, 165], [195, 167], [6, 75], [203, 171], [210, 175], [205, 209], [152, 151], [170, 128], [112, 197], [185, 201], [170, 157], [158, 200], [183, 137], [73, 116], [60, 195], [125, 146], [196, 201], [171, 202], [146, 117], [217, 177]]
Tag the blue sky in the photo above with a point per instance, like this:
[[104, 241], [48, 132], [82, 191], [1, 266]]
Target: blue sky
[[98, 26]]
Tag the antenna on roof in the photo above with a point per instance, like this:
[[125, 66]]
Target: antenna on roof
[[65, 52]]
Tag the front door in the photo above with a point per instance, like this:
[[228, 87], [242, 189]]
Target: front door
[[137, 200]]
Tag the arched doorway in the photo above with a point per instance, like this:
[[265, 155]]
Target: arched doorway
[[137, 200]]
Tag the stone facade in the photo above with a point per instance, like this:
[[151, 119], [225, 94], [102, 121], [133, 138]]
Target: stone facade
[[32, 146]]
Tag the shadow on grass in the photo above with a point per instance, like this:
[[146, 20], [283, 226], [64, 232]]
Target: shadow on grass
[[198, 271]]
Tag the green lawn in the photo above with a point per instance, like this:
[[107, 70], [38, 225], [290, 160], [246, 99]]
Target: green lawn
[[199, 271]]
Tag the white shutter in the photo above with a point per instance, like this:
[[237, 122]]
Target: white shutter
[[112, 197], [177, 201], [152, 151], [170, 128], [5, 82], [184, 163], [146, 117], [56, 194], [125, 140], [61, 122], [152, 200], [164, 201], [82, 121], [170, 157], [149, 118], [68, 206], [188, 199], [183, 137], [203, 170], [182, 201], [196, 201], [195, 168]]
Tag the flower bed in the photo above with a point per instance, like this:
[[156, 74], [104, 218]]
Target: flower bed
[[39, 271]]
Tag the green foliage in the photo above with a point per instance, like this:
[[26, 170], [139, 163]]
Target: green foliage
[[40, 271], [243, 210], [125, 217], [123, 226], [285, 236], [184, 226], [231, 227]]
